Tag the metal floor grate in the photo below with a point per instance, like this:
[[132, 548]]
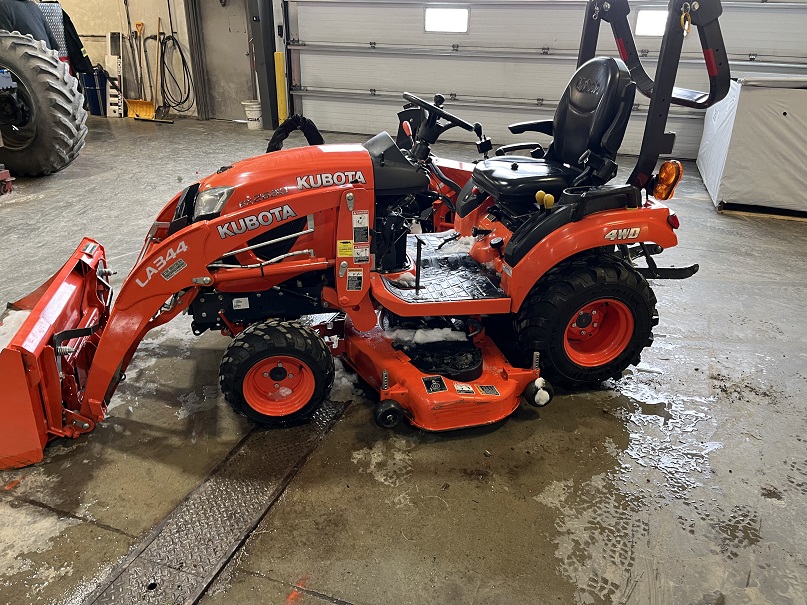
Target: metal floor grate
[[181, 557]]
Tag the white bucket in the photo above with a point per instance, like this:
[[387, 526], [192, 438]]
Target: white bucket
[[253, 111]]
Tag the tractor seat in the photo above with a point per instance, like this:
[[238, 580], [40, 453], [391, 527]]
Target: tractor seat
[[515, 180], [591, 116]]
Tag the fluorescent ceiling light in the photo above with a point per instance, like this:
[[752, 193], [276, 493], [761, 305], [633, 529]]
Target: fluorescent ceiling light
[[447, 20], [651, 22]]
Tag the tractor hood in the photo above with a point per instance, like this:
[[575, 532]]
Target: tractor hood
[[284, 173]]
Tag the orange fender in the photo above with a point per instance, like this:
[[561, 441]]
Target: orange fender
[[646, 224]]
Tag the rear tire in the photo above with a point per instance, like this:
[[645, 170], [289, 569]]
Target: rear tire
[[55, 132], [276, 373], [589, 318]]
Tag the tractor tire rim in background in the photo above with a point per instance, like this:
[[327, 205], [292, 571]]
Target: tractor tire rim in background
[[279, 385], [17, 139], [598, 332]]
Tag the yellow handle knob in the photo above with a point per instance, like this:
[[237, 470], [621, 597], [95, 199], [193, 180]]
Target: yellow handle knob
[[539, 198], [549, 201]]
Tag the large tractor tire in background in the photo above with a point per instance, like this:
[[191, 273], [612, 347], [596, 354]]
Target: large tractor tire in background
[[589, 318], [55, 129]]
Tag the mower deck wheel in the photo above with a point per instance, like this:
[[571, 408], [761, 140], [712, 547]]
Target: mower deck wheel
[[276, 373], [388, 414]]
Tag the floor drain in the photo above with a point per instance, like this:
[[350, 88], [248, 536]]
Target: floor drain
[[151, 586]]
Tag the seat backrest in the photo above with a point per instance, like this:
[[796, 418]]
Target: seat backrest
[[593, 112]]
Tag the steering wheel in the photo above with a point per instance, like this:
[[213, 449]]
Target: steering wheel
[[436, 111]]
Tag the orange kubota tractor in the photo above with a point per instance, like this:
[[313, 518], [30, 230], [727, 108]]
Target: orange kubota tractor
[[535, 283]]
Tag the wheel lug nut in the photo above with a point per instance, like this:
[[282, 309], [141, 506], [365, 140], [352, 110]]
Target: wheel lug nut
[[574, 325], [593, 312], [291, 376], [266, 374], [582, 332], [277, 386], [595, 324], [280, 364]]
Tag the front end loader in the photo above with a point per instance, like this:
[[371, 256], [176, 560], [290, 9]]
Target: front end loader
[[525, 274]]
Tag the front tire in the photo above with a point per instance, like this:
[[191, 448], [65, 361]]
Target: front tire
[[589, 318], [276, 373], [54, 134]]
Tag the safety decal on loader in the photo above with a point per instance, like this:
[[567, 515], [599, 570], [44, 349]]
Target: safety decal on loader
[[361, 254], [355, 280], [344, 247], [361, 226]]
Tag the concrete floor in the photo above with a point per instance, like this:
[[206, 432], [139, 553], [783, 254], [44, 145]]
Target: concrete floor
[[686, 477]]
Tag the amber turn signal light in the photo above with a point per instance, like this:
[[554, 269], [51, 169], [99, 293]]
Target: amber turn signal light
[[669, 175]]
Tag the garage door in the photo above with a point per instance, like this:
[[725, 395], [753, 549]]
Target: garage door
[[351, 59]]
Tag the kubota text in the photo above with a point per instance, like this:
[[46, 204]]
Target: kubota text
[[313, 181], [248, 223]]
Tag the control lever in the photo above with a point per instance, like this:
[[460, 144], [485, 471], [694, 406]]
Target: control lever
[[484, 145], [407, 128]]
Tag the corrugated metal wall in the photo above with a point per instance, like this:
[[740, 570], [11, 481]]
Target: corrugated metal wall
[[351, 59]]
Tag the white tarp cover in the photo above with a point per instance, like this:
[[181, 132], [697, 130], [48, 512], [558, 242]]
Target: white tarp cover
[[754, 146]]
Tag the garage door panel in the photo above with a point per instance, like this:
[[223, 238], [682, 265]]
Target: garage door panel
[[352, 115], [515, 53], [531, 27], [463, 76], [524, 81]]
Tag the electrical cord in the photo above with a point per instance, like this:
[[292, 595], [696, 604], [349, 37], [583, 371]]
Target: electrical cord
[[177, 93]]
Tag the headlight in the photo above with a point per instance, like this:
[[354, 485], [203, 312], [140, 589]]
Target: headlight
[[210, 202]]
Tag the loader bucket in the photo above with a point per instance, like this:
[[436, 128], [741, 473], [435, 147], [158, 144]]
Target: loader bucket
[[47, 341]]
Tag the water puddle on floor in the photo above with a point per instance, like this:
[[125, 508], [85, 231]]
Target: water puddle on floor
[[688, 507]]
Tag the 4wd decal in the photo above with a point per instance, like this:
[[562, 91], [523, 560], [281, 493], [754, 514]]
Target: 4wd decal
[[314, 181], [264, 219], [160, 263], [629, 233]]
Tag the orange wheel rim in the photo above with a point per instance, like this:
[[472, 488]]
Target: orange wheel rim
[[598, 332], [278, 386]]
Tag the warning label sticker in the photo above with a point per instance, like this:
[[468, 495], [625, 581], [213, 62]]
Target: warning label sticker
[[434, 384], [361, 226], [361, 254], [240, 303], [487, 389], [171, 271], [355, 279], [361, 218], [344, 247], [463, 389]]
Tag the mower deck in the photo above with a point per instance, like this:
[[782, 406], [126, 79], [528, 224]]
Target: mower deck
[[431, 401]]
